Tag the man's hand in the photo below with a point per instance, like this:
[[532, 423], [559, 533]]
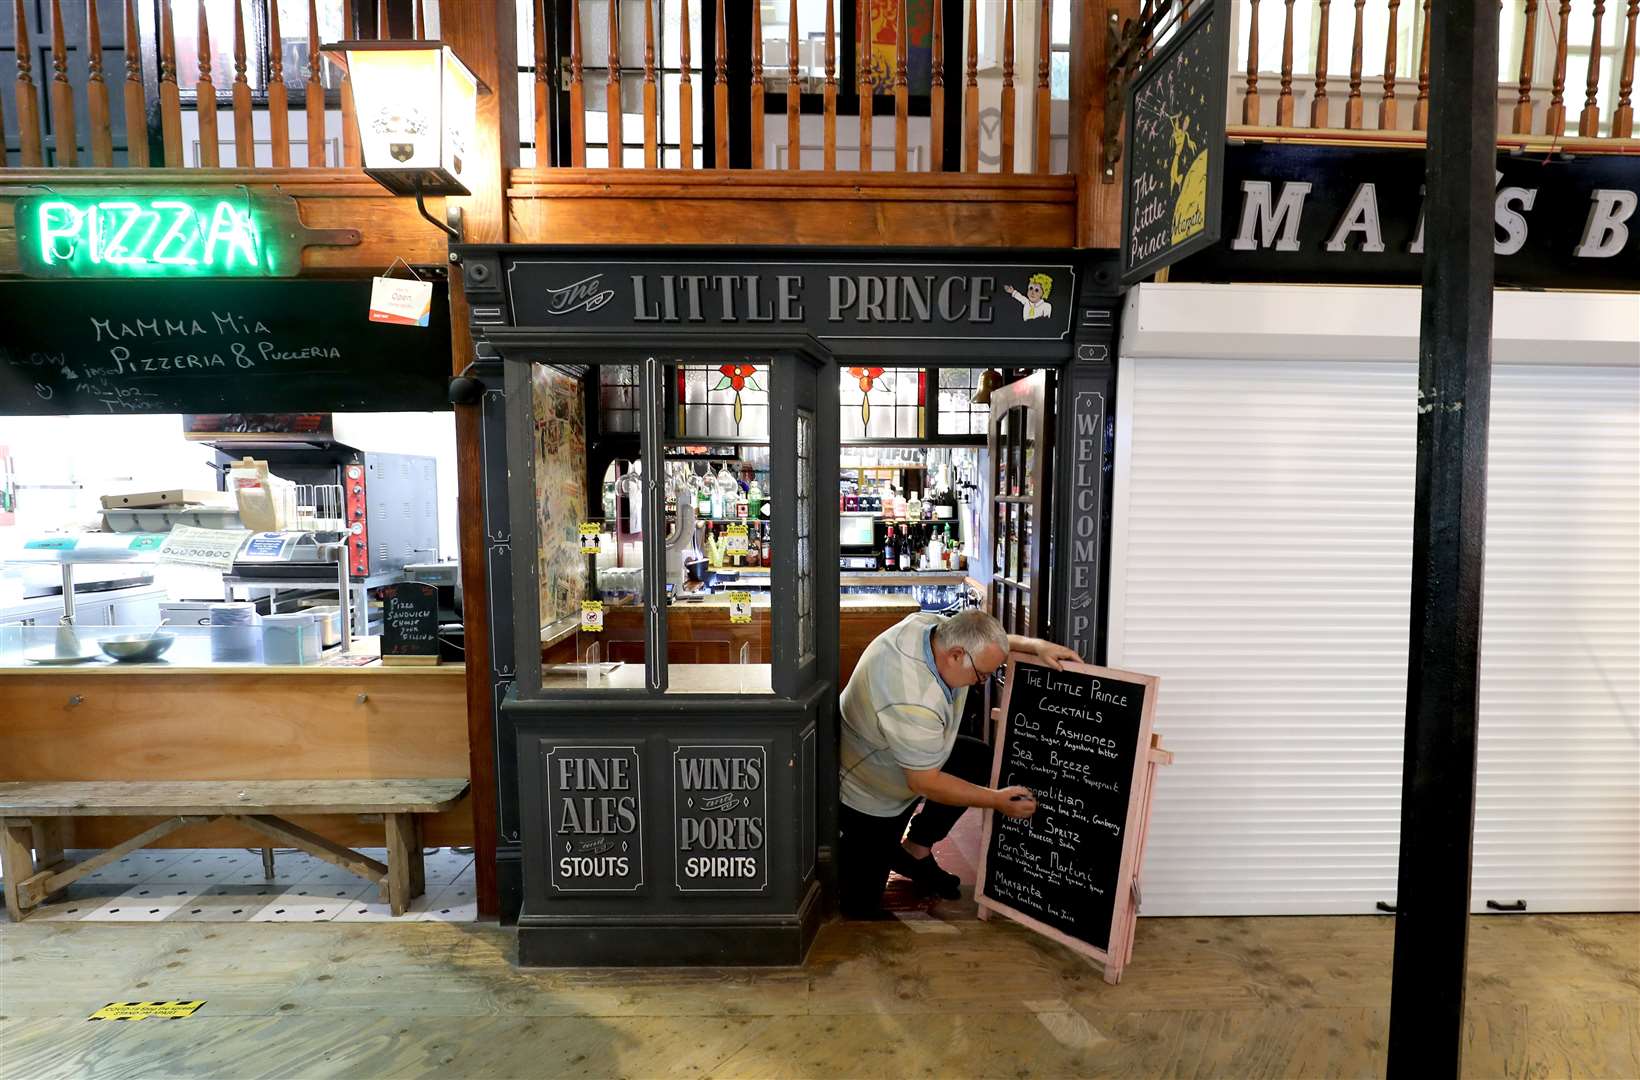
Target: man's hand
[[1016, 802], [1047, 652]]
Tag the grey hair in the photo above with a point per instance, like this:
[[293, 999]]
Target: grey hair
[[971, 631]]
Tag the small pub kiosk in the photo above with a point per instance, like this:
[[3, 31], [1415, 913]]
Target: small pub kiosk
[[667, 794]]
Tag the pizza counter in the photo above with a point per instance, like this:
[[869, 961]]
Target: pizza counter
[[185, 717]]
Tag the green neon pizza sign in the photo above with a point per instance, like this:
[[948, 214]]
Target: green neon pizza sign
[[121, 235]]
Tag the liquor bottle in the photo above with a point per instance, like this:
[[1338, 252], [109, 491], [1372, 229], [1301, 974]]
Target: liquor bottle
[[913, 507], [905, 548], [890, 562]]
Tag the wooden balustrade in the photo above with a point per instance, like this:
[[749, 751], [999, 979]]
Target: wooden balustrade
[[1399, 32], [1599, 35]]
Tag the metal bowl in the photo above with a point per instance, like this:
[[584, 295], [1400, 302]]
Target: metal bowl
[[137, 648]]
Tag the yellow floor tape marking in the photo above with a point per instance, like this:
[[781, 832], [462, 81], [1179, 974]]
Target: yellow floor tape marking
[[141, 1010]]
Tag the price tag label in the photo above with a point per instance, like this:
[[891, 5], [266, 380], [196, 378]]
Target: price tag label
[[735, 541], [590, 531], [592, 616], [740, 607], [213, 548]]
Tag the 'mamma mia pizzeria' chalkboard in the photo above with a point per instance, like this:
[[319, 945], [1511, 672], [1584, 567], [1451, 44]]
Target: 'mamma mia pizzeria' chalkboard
[[1173, 160], [1080, 740]]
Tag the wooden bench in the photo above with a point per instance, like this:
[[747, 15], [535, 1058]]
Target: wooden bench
[[34, 815]]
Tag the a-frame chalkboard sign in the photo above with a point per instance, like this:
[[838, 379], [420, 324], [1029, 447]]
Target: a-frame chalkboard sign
[[1080, 738]]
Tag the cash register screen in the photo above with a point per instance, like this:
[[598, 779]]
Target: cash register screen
[[856, 532]]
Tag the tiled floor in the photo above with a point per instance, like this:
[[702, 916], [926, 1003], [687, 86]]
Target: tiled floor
[[228, 885]]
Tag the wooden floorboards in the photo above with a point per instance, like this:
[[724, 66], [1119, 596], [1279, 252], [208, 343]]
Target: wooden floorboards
[[1281, 997]]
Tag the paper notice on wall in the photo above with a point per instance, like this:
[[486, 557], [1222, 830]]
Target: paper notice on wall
[[592, 616], [735, 541], [213, 548], [404, 303], [590, 531], [740, 607]]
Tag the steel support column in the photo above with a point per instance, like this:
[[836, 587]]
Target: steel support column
[[1448, 547]]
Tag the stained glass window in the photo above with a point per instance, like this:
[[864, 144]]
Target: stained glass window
[[729, 401], [883, 403], [805, 530]]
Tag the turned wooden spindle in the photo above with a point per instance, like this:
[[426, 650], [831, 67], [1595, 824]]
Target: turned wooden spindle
[[313, 102], [170, 94], [210, 155], [1008, 86], [1249, 96], [759, 144], [1523, 104], [1623, 118], [1354, 107], [244, 131], [829, 159], [865, 79], [1588, 123], [686, 94], [902, 90], [651, 100], [102, 126], [1284, 101], [30, 144], [577, 91], [1420, 109], [1387, 108], [794, 92], [936, 94], [612, 90], [136, 97], [1555, 119], [720, 94], [542, 99], [67, 144], [970, 94], [1043, 163], [1319, 104]]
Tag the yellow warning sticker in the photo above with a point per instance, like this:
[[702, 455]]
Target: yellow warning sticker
[[142, 1010]]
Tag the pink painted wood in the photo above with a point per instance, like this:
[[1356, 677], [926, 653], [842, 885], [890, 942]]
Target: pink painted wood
[[1124, 917]]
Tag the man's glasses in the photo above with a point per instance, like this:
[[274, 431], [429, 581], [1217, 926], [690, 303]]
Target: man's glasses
[[978, 678]]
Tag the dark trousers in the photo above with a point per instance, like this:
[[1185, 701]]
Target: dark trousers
[[866, 843]]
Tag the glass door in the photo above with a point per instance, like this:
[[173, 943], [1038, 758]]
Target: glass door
[[1019, 490]]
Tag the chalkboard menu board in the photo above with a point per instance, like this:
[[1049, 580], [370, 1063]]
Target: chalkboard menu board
[[409, 623], [1173, 160], [214, 347], [1079, 739]]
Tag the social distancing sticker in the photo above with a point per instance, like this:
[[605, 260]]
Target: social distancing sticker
[[142, 1010], [589, 537], [740, 607], [592, 616]]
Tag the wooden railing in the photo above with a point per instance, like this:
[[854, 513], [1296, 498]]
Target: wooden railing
[[1531, 107], [869, 85], [65, 143]]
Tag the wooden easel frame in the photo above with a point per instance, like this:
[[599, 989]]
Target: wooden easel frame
[[1148, 754]]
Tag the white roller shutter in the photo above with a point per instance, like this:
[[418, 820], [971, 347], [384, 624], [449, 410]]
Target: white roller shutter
[[1261, 564]]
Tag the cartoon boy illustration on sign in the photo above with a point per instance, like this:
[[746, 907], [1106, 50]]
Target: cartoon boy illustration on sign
[[1034, 300]]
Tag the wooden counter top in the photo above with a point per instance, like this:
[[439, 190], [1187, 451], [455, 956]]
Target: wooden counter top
[[190, 655]]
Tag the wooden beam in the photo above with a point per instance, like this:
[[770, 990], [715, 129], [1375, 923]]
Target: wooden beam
[[1426, 1028], [311, 842], [484, 31], [37, 886]]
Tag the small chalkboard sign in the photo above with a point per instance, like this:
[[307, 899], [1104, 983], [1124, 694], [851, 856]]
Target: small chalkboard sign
[[1173, 157], [1080, 740], [409, 623]]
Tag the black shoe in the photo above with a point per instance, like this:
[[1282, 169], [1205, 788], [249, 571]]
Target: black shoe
[[926, 875]]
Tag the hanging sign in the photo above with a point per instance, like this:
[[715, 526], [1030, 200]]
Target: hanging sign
[[123, 234], [213, 548], [1173, 159], [1079, 739], [736, 541], [400, 302], [592, 616], [590, 531], [740, 607]]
